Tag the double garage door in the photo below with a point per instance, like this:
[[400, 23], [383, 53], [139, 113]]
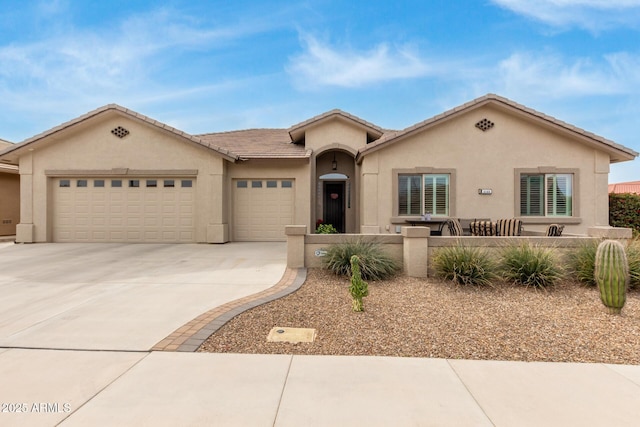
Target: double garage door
[[151, 210]]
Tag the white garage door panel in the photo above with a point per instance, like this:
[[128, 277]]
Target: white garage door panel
[[122, 214], [262, 208]]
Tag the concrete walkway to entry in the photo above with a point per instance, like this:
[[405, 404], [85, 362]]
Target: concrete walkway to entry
[[75, 340]]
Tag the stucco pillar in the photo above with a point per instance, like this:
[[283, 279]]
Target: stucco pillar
[[25, 229], [369, 212], [295, 245], [217, 226], [415, 250], [601, 188]]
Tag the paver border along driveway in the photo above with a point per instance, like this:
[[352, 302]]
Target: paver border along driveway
[[123, 296]]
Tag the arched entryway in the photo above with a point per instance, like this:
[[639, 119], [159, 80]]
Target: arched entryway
[[335, 199]]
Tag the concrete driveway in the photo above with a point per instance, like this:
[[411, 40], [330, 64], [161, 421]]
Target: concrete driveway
[[122, 296]]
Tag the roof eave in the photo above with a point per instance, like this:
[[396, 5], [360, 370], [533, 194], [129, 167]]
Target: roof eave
[[617, 152], [298, 130], [51, 133]]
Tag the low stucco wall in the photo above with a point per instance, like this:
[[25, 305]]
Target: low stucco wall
[[307, 250], [314, 244]]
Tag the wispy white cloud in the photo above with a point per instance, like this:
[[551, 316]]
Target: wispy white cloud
[[92, 67], [593, 15], [323, 65], [549, 75]]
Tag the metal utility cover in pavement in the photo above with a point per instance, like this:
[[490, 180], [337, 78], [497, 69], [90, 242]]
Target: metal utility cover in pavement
[[292, 335]]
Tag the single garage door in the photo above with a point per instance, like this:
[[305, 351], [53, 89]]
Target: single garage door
[[123, 210], [262, 208]]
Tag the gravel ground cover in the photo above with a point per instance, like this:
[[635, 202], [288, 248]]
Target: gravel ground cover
[[412, 317]]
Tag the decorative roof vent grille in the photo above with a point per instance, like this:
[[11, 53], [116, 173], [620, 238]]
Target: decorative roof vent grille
[[484, 125], [120, 132]]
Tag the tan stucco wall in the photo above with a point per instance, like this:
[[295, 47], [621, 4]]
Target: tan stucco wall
[[9, 203], [91, 146], [335, 132], [486, 160]]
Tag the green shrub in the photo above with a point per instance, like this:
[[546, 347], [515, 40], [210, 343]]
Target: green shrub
[[633, 256], [529, 265], [624, 211], [326, 229], [464, 265], [582, 262], [375, 264]]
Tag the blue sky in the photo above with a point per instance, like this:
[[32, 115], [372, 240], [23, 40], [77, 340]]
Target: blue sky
[[207, 66]]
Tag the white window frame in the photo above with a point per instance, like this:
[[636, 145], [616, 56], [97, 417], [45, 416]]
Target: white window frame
[[545, 171], [433, 209]]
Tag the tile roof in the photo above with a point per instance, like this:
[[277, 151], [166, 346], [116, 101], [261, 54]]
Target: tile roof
[[621, 152], [297, 130], [258, 143], [625, 187]]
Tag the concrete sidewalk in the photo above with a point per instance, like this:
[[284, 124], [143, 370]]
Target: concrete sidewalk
[[80, 388]]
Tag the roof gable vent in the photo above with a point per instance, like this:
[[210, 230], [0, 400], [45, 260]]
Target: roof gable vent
[[120, 132], [484, 125]]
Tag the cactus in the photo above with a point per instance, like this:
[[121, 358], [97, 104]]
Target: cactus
[[612, 274], [359, 287]]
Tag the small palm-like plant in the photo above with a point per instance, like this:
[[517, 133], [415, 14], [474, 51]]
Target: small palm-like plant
[[529, 265], [464, 265], [374, 263]]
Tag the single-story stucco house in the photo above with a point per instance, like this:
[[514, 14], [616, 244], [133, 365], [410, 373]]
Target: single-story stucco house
[[114, 175], [9, 195]]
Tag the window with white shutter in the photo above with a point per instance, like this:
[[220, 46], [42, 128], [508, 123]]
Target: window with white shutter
[[546, 194], [422, 194]]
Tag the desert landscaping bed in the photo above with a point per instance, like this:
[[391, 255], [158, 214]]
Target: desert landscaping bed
[[412, 317]]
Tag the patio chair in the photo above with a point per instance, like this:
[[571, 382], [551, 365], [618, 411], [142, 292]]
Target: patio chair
[[554, 230], [509, 227], [483, 228], [455, 229]]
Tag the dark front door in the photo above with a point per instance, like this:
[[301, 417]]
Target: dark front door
[[334, 205]]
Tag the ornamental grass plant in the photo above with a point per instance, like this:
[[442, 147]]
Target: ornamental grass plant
[[633, 256], [582, 263], [464, 265], [375, 264], [530, 265]]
